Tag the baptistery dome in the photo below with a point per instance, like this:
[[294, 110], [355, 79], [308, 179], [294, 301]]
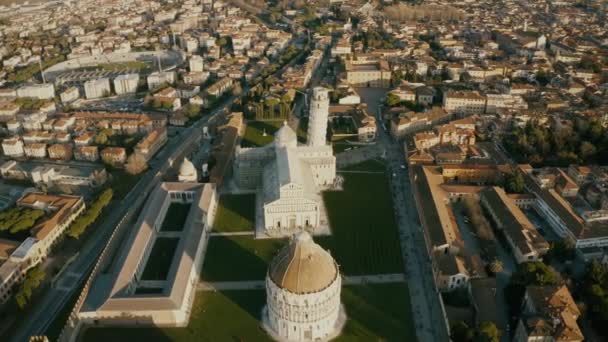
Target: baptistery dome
[[303, 266], [303, 293]]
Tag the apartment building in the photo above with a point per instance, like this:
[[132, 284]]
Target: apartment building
[[114, 155], [13, 147], [35, 150], [98, 88], [368, 73], [549, 313], [467, 102], [523, 238], [87, 153], [151, 143], [220, 87], [126, 84]]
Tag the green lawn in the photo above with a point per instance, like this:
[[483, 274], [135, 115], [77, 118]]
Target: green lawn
[[372, 165], [216, 316], [235, 213], [364, 236], [341, 146], [375, 312], [232, 258], [302, 131], [161, 256], [176, 217], [254, 133]]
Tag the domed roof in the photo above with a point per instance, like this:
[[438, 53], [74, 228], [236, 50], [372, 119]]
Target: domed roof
[[303, 266], [187, 168], [285, 134]]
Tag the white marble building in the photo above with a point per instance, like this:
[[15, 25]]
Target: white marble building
[[289, 177], [187, 172], [303, 293]]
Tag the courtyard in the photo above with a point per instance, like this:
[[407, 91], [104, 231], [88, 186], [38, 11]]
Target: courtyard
[[235, 213], [175, 217], [159, 261], [260, 133], [375, 312]]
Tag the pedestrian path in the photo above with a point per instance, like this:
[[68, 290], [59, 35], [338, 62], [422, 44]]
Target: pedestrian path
[[260, 284], [231, 233]]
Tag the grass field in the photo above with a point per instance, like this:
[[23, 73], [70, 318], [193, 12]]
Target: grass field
[[235, 213], [375, 312], [379, 312], [176, 217], [216, 316], [371, 165], [254, 133], [160, 259], [364, 236], [232, 258]]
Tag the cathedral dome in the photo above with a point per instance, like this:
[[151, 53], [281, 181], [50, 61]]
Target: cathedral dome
[[285, 136], [303, 266], [187, 168]]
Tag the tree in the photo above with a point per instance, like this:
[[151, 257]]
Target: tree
[[392, 100], [535, 273], [136, 164], [562, 250], [587, 150], [33, 280], [101, 138], [83, 221], [515, 183], [488, 332]]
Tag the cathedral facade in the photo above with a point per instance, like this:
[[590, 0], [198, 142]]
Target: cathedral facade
[[289, 177]]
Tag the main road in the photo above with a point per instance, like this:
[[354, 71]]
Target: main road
[[426, 307]]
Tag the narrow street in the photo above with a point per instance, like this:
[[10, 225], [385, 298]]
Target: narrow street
[[426, 307]]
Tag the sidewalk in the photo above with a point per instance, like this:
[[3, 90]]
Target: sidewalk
[[260, 284]]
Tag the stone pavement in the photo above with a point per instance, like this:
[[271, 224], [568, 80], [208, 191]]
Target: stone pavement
[[259, 284]]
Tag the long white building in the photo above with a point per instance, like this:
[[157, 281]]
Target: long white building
[[94, 89], [133, 293], [126, 84]]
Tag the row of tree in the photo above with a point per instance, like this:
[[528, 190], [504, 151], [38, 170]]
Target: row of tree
[[33, 280], [91, 214], [583, 143], [595, 292], [19, 219], [271, 109], [486, 332]]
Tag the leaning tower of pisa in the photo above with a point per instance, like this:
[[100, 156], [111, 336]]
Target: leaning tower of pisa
[[319, 111]]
